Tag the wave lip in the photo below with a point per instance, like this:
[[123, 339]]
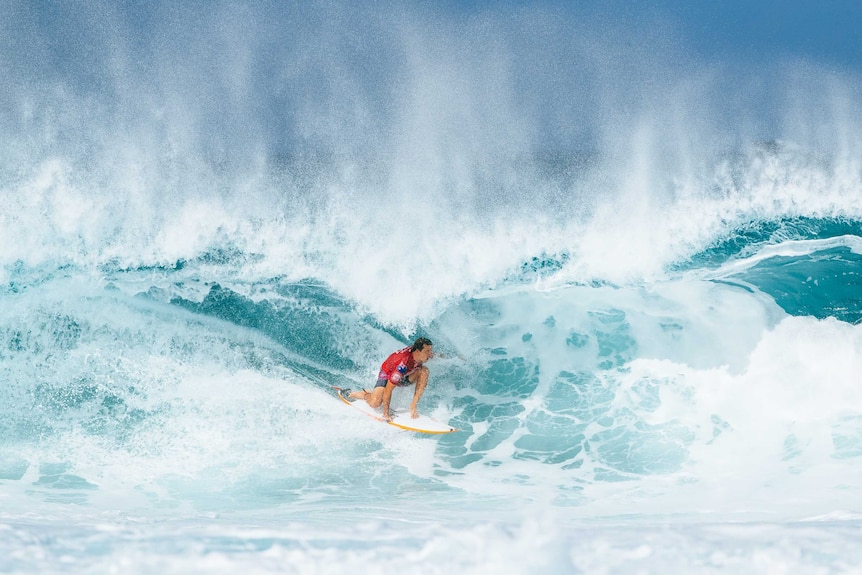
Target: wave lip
[[808, 277]]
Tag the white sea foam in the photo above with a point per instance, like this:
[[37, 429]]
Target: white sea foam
[[538, 541]]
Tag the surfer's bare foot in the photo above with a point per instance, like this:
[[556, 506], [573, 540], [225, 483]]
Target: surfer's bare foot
[[359, 394]]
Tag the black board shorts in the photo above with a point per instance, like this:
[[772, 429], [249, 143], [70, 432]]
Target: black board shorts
[[382, 382]]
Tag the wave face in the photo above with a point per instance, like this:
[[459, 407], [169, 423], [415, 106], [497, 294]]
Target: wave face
[[641, 273]]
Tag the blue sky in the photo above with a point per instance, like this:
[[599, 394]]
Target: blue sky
[[825, 31]]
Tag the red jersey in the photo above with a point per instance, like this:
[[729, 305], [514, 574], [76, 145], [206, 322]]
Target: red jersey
[[398, 365]]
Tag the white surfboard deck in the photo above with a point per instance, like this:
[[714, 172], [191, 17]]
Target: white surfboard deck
[[402, 420]]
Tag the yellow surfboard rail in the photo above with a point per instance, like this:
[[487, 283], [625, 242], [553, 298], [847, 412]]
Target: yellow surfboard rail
[[370, 412]]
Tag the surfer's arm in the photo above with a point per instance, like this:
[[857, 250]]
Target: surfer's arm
[[421, 378], [413, 404]]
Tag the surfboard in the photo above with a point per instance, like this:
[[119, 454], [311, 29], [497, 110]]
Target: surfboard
[[402, 420]]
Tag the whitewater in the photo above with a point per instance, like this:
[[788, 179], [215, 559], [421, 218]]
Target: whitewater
[[641, 270]]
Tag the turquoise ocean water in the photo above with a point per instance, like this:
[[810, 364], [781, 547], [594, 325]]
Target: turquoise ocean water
[[642, 273]]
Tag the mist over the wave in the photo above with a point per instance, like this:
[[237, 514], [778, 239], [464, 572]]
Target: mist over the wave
[[330, 135]]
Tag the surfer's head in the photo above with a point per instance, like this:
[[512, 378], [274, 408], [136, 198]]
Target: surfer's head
[[420, 344], [422, 349]]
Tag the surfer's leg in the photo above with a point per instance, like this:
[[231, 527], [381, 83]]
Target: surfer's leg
[[375, 397], [419, 378]]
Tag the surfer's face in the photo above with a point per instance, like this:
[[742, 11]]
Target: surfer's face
[[424, 354]]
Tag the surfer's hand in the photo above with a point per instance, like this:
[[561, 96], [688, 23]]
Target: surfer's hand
[[386, 416], [414, 413]]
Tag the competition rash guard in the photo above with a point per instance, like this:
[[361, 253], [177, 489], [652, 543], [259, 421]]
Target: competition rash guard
[[398, 366]]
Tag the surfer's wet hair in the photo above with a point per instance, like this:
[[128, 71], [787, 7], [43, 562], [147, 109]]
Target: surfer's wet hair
[[420, 344]]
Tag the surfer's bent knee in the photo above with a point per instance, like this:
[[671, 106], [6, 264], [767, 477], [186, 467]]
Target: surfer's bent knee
[[375, 397], [421, 376]]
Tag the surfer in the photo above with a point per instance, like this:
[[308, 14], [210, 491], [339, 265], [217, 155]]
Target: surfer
[[402, 368]]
